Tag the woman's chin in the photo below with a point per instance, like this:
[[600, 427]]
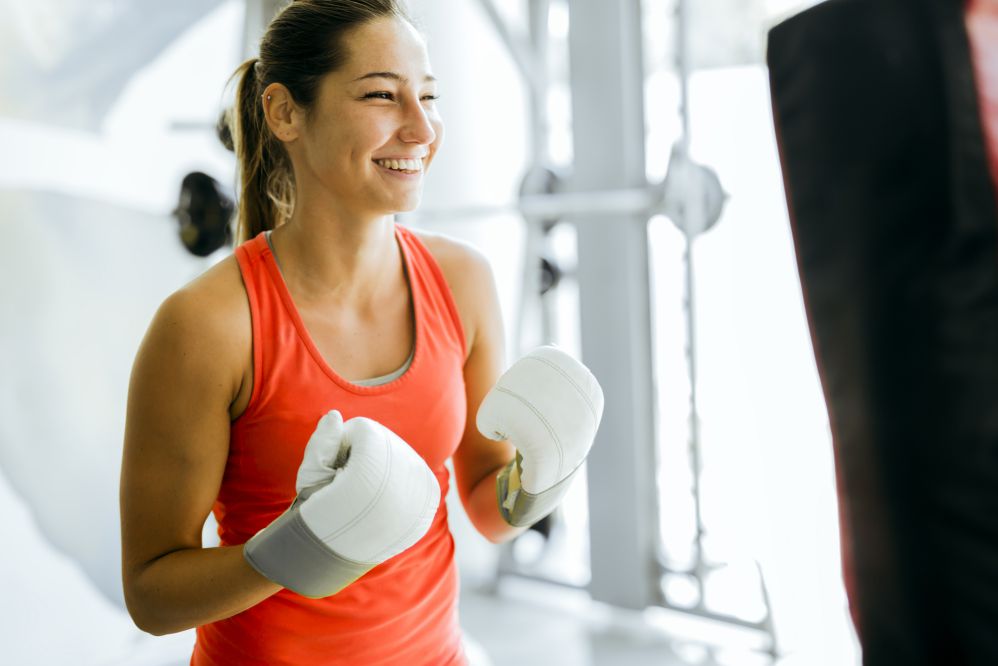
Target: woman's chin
[[407, 206]]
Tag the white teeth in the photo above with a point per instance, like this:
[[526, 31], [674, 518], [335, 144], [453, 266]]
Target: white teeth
[[402, 165]]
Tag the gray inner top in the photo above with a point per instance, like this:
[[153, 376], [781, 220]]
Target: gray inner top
[[374, 381]]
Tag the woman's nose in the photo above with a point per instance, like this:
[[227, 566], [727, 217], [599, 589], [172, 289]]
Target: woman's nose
[[417, 127]]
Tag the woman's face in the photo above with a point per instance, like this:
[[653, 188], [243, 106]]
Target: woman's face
[[379, 106]]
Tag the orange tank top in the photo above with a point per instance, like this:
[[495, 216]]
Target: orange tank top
[[404, 611]]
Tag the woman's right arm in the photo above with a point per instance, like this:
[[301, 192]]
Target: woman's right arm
[[187, 372]]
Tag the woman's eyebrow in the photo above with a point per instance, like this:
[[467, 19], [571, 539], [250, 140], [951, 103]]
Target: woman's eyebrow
[[391, 75]]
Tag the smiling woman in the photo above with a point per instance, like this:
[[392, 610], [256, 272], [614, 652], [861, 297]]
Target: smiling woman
[[309, 389], [357, 121], [366, 111]]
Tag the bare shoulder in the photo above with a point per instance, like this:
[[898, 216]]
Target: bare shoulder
[[455, 252], [216, 299], [221, 286], [210, 318], [468, 274]]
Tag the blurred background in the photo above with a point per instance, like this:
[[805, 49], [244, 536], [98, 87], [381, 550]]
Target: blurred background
[[614, 160]]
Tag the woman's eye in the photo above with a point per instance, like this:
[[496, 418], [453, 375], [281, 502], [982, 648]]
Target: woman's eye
[[383, 94]]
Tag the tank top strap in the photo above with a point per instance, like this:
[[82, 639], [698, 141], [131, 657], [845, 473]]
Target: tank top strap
[[437, 298], [269, 326]]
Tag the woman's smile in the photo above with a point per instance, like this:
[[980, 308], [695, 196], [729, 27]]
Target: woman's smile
[[404, 174]]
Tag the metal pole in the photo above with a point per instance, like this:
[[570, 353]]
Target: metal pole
[[607, 81]]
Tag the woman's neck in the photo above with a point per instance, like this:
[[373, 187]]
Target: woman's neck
[[328, 258]]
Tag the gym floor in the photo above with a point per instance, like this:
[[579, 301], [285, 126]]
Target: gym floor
[[517, 625]]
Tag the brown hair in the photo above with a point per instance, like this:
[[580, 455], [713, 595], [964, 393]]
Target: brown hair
[[302, 44]]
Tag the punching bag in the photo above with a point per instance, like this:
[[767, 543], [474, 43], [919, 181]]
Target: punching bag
[[885, 157]]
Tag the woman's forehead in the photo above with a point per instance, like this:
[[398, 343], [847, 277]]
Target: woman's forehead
[[386, 45]]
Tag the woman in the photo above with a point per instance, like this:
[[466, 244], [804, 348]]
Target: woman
[[334, 344]]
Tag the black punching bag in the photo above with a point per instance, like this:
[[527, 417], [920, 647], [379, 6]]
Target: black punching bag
[[894, 220]]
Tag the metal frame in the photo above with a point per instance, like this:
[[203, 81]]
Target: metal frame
[[692, 217], [607, 83]]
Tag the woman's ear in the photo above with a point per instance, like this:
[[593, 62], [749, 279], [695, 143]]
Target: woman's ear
[[283, 116]]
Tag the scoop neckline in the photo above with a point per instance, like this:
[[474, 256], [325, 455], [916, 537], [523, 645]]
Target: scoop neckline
[[270, 261]]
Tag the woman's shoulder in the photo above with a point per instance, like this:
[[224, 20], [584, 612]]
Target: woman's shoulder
[[468, 274], [213, 309], [452, 254], [201, 336], [217, 293]]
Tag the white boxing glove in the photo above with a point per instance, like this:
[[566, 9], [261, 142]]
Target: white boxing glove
[[549, 406], [364, 496]]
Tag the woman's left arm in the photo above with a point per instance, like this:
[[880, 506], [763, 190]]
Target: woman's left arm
[[478, 460]]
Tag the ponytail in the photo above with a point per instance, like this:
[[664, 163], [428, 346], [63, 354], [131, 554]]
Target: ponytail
[[265, 178]]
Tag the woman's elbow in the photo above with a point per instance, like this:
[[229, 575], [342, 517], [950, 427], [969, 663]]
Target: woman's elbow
[[140, 615], [148, 622], [142, 610]]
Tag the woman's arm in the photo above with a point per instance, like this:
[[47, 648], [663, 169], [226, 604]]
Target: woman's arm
[[186, 374], [478, 459]]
